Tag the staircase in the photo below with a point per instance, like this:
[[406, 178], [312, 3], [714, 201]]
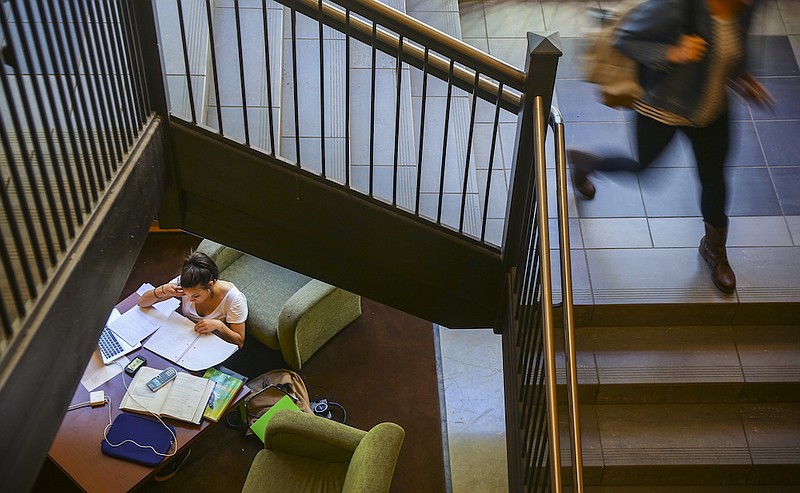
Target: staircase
[[350, 152], [689, 408]]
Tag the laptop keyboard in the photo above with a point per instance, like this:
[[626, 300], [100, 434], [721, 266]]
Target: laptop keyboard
[[108, 343]]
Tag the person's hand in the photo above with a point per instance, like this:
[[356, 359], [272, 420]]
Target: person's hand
[[690, 48], [752, 90], [205, 326], [169, 289]]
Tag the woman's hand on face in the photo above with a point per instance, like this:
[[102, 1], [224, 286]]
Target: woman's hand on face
[[690, 48], [172, 289], [205, 326]]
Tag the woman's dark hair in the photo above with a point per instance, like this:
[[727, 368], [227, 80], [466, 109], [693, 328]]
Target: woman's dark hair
[[198, 270]]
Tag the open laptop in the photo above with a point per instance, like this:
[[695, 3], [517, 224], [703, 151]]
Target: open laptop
[[112, 346]]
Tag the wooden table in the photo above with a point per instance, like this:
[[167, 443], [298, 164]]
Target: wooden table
[[76, 448]]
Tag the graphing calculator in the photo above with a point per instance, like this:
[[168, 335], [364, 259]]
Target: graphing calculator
[[162, 378]]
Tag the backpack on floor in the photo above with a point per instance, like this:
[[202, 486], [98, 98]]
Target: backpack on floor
[[616, 75], [268, 388]]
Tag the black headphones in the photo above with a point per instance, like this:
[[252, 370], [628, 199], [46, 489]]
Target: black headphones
[[322, 408]]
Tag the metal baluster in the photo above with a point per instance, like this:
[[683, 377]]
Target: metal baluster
[[9, 275], [444, 139], [270, 106], [424, 104], [107, 106], [16, 234], [59, 67], [26, 108], [113, 83], [372, 113], [73, 192], [24, 208], [80, 110], [126, 49], [116, 62], [397, 118], [491, 159], [186, 66], [213, 50], [347, 98], [241, 71], [94, 100], [135, 55], [321, 91], [294, 84], [469, 151]]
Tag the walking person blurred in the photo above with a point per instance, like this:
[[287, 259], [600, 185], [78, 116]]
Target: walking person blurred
[[689, 52]]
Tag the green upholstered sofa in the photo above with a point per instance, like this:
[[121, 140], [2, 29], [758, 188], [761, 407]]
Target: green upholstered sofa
[[307, 453], [288, 311]]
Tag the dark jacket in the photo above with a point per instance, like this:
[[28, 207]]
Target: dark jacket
[[649, 30]]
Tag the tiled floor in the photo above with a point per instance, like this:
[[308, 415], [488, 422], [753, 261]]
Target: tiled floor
[[656, 212], [636, 241]]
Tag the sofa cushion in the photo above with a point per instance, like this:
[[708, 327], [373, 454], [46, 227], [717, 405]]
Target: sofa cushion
[[279, 472], [267, 287]]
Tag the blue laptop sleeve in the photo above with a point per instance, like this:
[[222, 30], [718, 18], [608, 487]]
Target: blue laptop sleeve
[[143, 431]]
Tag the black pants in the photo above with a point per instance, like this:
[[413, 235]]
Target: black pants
[[710, 145]]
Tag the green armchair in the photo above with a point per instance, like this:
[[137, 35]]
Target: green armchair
[[288, 311], [307, 453]]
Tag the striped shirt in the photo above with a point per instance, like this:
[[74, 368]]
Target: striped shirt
[[726, 53]]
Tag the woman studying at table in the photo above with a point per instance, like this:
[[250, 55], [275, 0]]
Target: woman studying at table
[[212, 304]]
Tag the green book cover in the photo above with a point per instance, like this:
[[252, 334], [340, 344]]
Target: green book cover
[[227, 385], [260, 426]]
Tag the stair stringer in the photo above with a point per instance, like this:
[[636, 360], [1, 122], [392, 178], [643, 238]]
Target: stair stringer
[[269, 208]]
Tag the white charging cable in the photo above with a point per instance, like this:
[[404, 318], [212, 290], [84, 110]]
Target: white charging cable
[[107, 400]]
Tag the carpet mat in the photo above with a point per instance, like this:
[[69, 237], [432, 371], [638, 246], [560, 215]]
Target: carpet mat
[[379, 368]]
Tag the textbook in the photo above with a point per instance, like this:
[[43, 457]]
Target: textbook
[[184, 397], [226, 385]]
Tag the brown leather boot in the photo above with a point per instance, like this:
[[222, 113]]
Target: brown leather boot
[[712, 249], [583, 164]]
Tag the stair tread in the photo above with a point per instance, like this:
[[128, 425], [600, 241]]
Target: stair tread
[[692, 434]]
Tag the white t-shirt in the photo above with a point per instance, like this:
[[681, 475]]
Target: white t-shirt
[[231, 310]]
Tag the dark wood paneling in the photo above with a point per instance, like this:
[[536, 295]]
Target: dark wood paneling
[[45, 366], [268, 208]]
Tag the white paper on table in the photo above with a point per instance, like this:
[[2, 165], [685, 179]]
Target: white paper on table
[[173, 338], [208, 350], [167, 306], [177, 341], [96, 373], [144, 288], [137, 323]]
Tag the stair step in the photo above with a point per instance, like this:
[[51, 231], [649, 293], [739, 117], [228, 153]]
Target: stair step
[[773, 310], [686, 364], [690, 444], [706, 488]]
